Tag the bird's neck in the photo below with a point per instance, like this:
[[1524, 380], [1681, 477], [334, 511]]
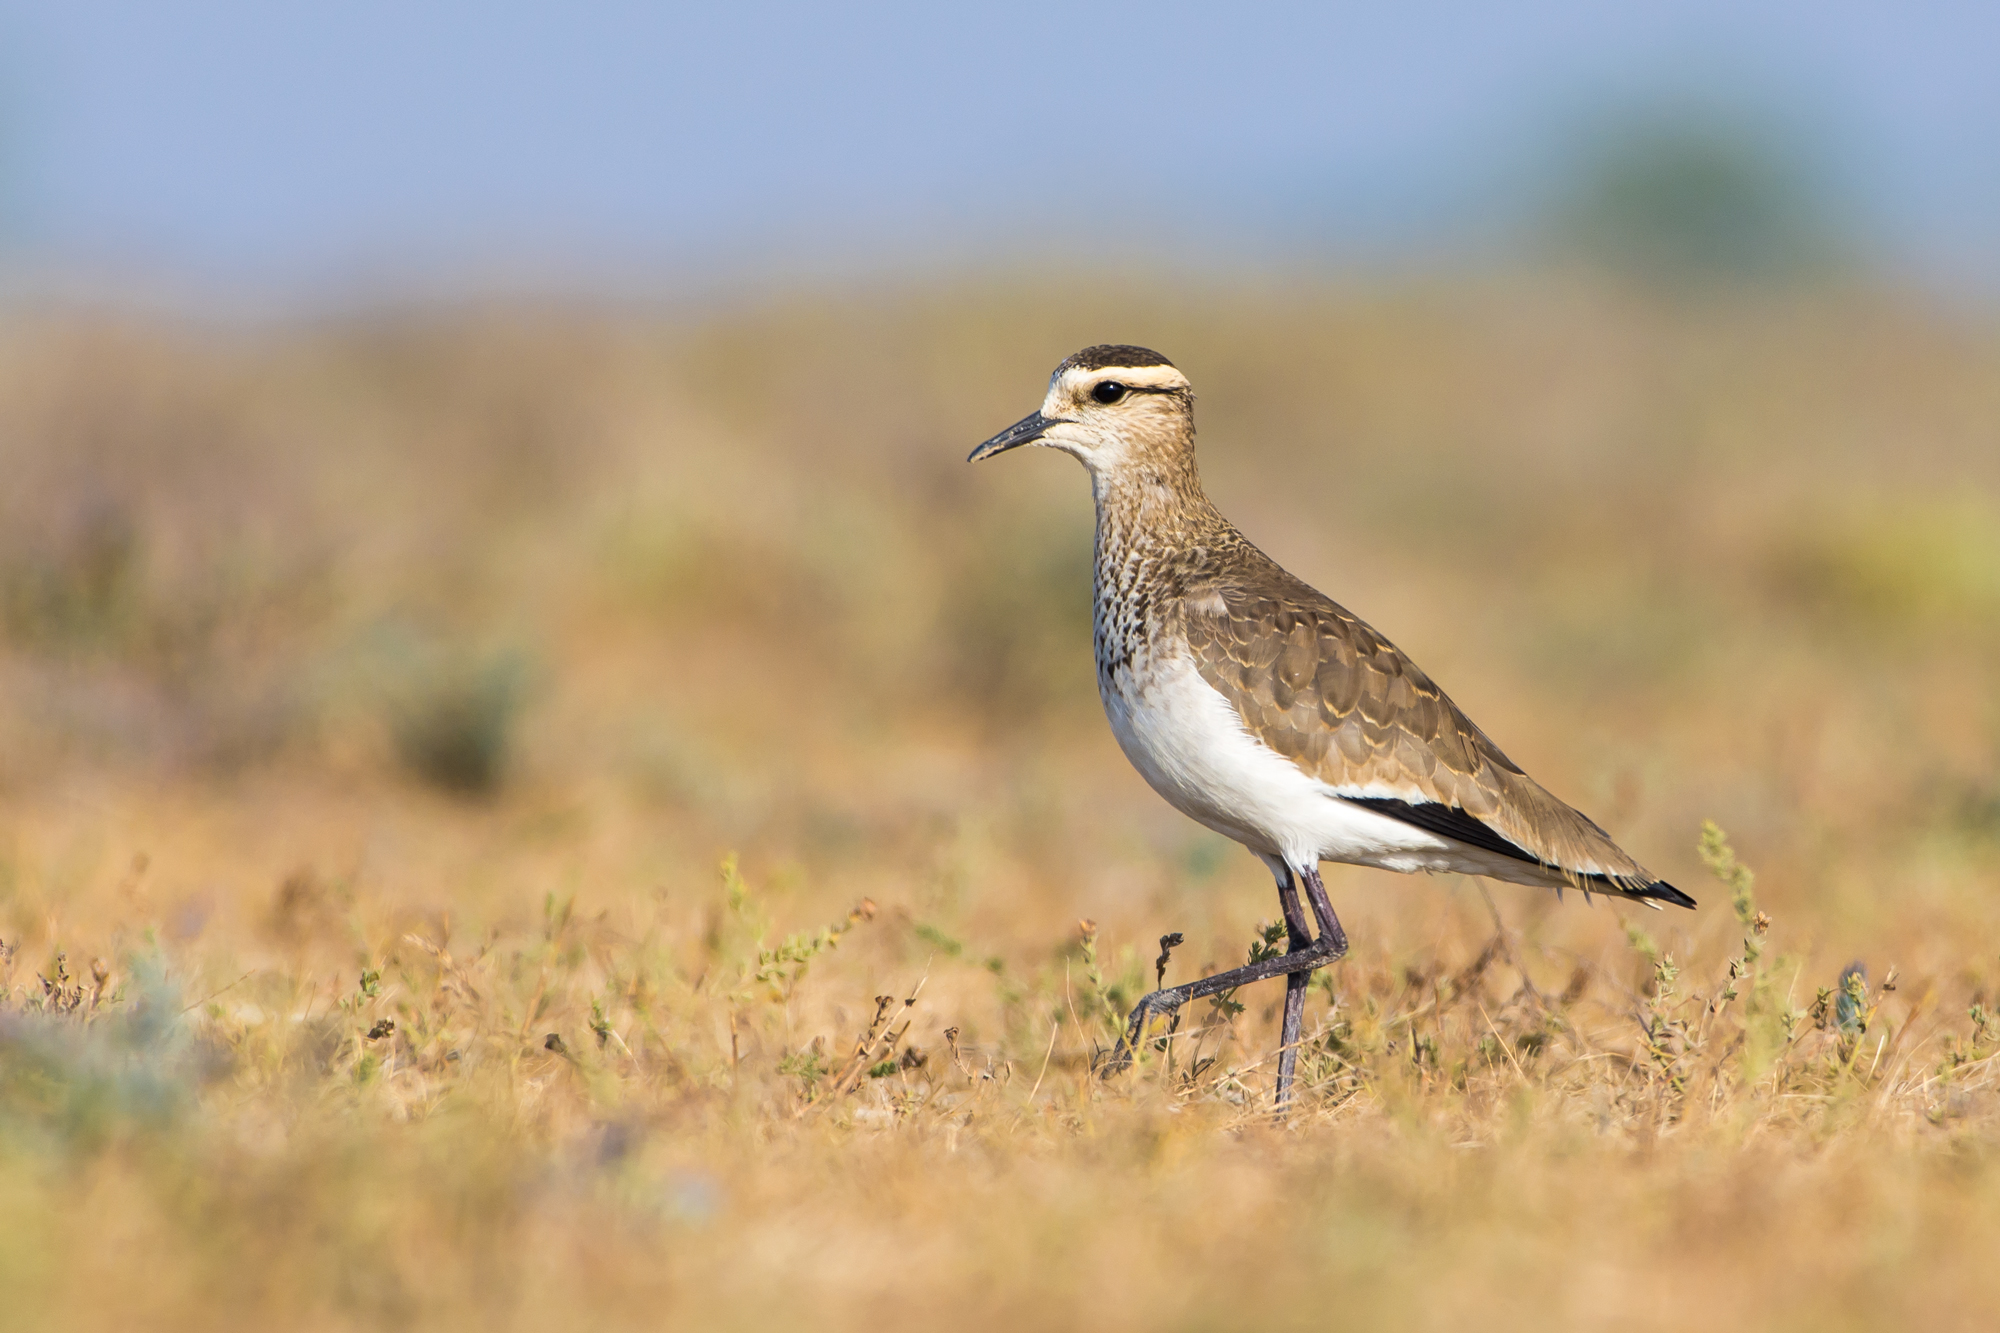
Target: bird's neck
[[1164, 497], [1152, 521]]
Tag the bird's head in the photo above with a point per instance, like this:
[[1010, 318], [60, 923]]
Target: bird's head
[[1113, 407]]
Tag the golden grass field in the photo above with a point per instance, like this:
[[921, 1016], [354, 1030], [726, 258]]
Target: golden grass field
[[466, 779]]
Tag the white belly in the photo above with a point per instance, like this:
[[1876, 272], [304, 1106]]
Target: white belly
[[1187, 741]]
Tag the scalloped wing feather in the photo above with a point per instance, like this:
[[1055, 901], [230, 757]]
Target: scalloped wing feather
[[1320, 686]]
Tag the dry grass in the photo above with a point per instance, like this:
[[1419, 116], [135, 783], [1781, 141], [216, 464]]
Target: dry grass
[[378, 703]]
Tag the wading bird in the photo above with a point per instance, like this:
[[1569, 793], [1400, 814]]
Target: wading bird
[[1263, 710]]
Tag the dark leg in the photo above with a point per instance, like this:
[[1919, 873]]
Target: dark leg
[[1329, 924], [1299, 937], [1301, 961], [1295, 984]]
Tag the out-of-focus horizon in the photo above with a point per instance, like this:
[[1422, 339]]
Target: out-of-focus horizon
[[222, 153]]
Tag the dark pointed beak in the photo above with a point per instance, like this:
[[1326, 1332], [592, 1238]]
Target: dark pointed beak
[[1025, 431]]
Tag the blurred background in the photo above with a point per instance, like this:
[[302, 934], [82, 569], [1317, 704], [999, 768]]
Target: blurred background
[[550, 407], [467, 469], [527, 410], [207, 152]]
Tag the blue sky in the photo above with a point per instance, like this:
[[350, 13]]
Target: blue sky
[[292, 146]]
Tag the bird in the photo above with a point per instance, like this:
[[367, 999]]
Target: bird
[[1262, 709]]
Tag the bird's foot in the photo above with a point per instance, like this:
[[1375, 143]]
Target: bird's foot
[[1162, 1002]]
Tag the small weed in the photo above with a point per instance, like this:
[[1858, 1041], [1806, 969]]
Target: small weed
[[807, 1065], [774, 971], [1101, 1004]]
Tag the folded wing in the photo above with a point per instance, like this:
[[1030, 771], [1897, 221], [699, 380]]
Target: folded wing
[[1321, 687]]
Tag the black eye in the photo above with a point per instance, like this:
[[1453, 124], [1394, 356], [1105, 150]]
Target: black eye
[[1108, 392]]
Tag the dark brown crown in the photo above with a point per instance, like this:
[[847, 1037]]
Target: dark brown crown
[[1112, 354]]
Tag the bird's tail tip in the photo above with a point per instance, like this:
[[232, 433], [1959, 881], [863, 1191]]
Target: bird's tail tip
[[1659, 891], [1654, 893]]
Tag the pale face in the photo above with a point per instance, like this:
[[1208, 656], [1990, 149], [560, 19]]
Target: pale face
[[1103, 417], [1100, 413]]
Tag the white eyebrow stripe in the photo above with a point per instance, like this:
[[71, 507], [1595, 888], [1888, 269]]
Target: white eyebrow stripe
[[1137, 377]]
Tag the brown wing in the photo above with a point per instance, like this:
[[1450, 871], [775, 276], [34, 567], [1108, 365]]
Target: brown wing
[[1321, 687]]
